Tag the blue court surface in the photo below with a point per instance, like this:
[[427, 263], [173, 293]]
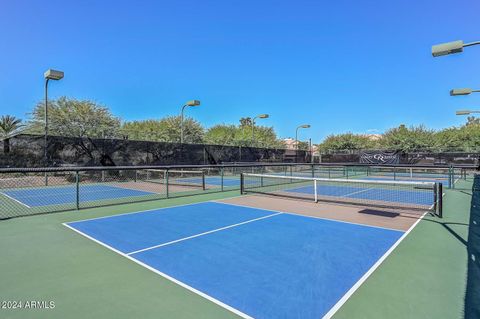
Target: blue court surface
[[445, 181], [56, 195], [373, 194], [264, 264], [214, 180]]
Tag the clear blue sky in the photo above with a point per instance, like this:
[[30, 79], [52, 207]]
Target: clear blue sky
[[338, 65]]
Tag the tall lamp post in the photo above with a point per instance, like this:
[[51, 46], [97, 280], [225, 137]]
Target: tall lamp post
[[296, 138], [189, 103], [260, 116], [451, 47], [465, 112], [49, 75]]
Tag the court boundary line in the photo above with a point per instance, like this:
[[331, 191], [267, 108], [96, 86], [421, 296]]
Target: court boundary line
[[153, 209], [202, 234], [16, 200], [314, 217], [88, 192], [172, 279], [372, 269]]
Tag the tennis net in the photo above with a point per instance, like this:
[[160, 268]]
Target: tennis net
[[424, 196], [174, 177]]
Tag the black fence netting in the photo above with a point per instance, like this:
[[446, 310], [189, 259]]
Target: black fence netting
[[412, 158], [28, 151]]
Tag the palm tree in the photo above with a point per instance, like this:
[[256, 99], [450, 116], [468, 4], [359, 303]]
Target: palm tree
[[8, 126]]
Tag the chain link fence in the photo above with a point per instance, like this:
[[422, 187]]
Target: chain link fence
[[30, 191]]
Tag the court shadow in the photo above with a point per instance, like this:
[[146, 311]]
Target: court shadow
[[379, 213]]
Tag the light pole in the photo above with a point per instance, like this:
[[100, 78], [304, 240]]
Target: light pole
[[49, 75], [465, 91], [451, 47], [465, 112], [296, 133], [260, 116], [189, 103], [296, 138]]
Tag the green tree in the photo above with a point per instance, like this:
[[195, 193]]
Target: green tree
[[221, 134], [164, 130], [246, 121], [9, 125], [472, 120], [242, 135], [408, 139], [74, 118], [348, 141]]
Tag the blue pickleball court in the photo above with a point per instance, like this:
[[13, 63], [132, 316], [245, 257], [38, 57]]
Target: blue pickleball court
[[393, 196], [262, 263], [57, 195]]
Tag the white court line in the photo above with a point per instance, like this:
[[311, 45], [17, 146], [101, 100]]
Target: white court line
[[357, 285], [153, 209], [146, 193], [16, 200], [178, 282], [201, 234], [357, 192], [308, 216]]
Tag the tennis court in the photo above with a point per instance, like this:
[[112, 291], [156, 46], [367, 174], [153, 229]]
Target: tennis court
[[263, 257], [255, 262], [57, 195]]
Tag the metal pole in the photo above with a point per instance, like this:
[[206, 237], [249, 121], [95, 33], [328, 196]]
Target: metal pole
[[77, 186], [311, 150], [181, 124], [46, 130], [296, 144]]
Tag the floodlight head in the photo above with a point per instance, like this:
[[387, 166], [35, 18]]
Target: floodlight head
[[456, 92], [193, 103], [263, 116], [463, 112], [53, 75], [447, 48], [305, 126]]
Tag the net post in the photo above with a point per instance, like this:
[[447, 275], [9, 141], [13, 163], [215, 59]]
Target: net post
[[313, 170], [346, 172], [242, 191], [136, 176], [394, 173], [166, 183], [315, 190], [329, 172], [440, 200], [77, 191], [203, 180]]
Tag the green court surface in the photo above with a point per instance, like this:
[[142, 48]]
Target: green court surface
[[425, 276]]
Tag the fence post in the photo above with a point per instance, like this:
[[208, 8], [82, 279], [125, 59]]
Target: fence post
[[77, 186], [452, 177], [166, 183], [221, 177], [242, 191]]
